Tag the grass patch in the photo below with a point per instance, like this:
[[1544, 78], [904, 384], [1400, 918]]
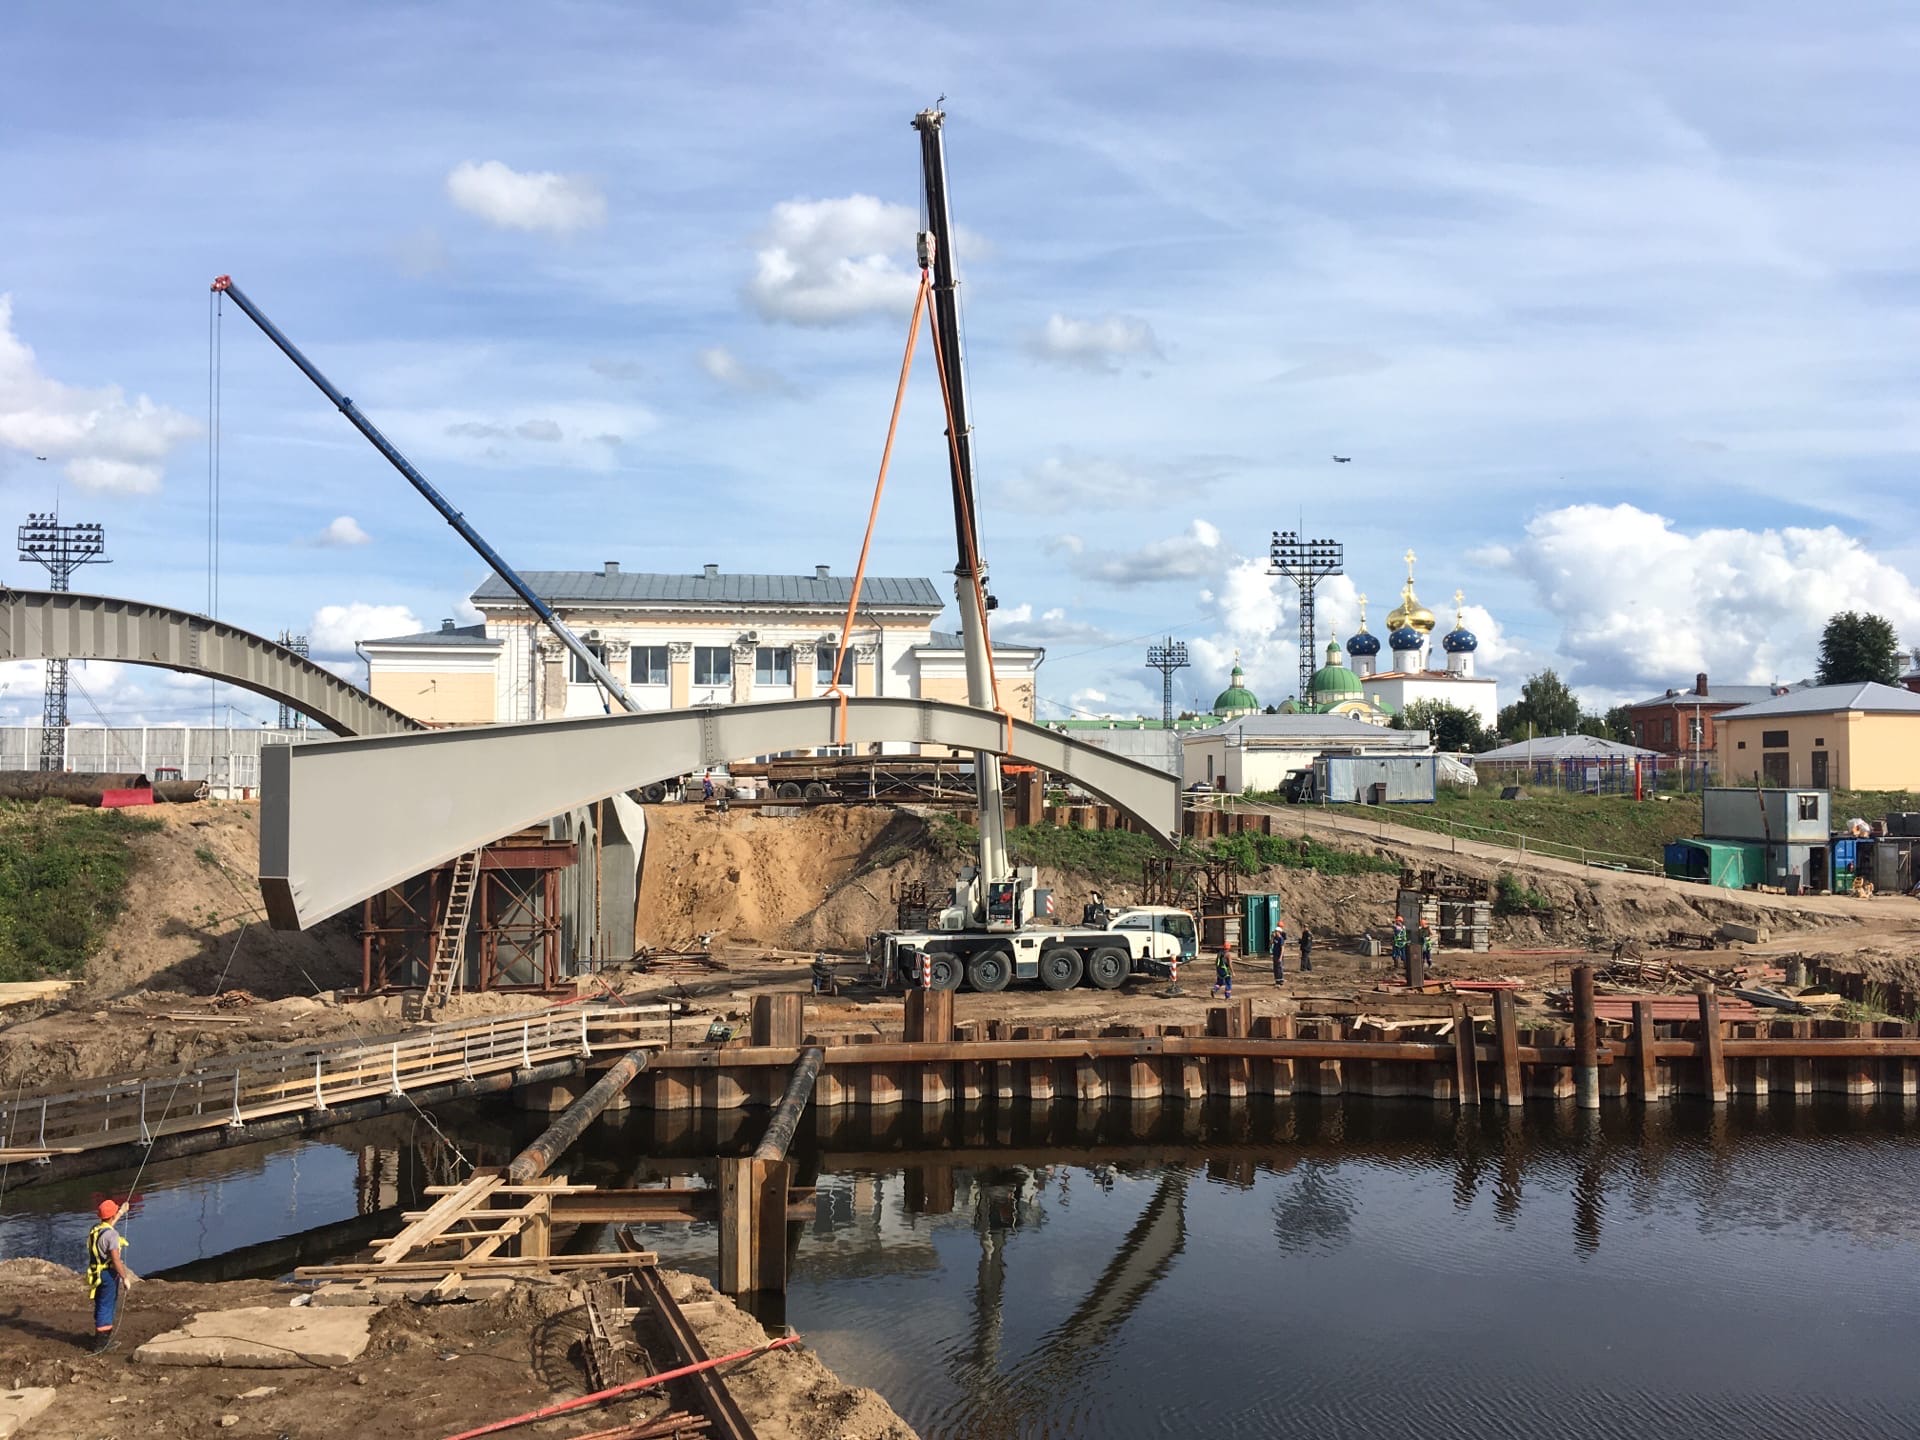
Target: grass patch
[[1554, 820], [63, 879], [1513, 896], [1251, 852]]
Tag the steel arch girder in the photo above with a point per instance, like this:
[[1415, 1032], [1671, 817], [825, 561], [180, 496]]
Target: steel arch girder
[[60, 625], [344, 819]]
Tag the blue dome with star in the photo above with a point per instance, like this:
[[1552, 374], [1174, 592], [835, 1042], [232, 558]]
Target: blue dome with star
[[1364, 644], [1405, 638], [1460, 641]]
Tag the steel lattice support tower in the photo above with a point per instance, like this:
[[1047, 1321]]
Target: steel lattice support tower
[[1167, 656], [291, 718], [1306, 563], [62, 549]]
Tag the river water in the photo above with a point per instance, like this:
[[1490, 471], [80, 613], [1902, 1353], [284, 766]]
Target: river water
[[1309, 1268]]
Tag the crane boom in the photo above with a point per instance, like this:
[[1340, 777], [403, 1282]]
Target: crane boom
[[970, 572], [581, 651]]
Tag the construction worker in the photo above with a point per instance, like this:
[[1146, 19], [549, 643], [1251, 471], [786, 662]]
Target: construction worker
[[1279, 952], [1400, 942], [108, 1278], [1223, 973], [1426, 946], [1306, 951], [706, 789]]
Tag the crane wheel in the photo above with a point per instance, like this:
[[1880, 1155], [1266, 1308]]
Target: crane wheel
[[989, 971], [1108, 967], [654, 793], [787, 790], [1061, 968]]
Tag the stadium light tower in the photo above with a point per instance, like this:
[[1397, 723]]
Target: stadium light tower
[[1306, 563], [62, 549], [1167, 656]]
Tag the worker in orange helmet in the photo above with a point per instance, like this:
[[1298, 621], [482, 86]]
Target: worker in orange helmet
[[108, 1276]]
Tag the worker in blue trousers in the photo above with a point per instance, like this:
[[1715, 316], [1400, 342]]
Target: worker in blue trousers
[[1223, 973], [1400, 943], [108, 1278], [1279, 952], [1306, 951]]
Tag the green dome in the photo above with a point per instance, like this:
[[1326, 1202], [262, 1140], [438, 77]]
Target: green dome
[[1333, 682], [1236, 699]]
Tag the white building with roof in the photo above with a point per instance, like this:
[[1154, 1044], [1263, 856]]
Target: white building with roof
[[1257, 752], [680, 641]]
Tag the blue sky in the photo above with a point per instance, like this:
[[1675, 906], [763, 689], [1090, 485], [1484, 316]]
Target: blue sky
[[1615, 311]]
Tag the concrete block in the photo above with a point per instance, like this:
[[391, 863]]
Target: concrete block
[[263, 1337], [1750, 934], [17, 1407]]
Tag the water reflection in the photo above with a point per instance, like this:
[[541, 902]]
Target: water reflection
[[1314, 1267]]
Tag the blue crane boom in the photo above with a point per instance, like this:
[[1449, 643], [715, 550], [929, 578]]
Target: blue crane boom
[[581, 651]]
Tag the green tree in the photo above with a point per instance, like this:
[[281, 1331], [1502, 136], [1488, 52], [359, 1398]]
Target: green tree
[[1620, 724], [1451, 727], [1545, 707], [1856, 647]]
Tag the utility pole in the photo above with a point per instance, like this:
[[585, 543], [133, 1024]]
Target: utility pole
[[62, 549], [290, 718], [1167, 656], [1306, 563]]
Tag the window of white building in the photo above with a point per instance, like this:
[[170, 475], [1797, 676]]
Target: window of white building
[[648, 665], [823, 666], [582, 675], [773, 665], [712, 665]]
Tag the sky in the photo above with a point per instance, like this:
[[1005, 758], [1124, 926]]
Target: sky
[[1616, 310]]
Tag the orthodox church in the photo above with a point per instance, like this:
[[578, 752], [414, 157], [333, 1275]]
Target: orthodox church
[[1367, 692]]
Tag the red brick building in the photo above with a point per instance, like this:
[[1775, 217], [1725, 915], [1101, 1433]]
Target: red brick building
[[1680, 722]]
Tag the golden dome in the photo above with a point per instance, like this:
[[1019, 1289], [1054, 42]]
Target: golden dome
[[1410, 613]]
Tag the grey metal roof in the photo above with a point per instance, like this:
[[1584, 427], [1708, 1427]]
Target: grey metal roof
[[951, 640], [621, 587], [1716, 695], [458, 635], [1562, 747], [1827, 699]]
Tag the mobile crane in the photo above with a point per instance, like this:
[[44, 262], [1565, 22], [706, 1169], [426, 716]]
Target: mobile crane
[[581, 651], [985, 939]]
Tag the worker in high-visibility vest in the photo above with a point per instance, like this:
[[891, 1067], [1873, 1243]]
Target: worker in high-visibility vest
[[108, 1278]]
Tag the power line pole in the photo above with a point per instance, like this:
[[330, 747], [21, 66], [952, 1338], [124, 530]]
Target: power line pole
[[1167, 656], [1306, 563], [62, 549]]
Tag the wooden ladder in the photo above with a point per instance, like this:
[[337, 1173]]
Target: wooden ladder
[[450, 935]]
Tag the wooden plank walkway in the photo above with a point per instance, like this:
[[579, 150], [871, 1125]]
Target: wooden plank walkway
[[237, 1090]]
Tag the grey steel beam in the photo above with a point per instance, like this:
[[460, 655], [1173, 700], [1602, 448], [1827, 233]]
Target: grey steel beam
[[344, 819], [46, 625]]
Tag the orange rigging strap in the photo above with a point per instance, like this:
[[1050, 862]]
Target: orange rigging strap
[[873, 513], [968, 534]]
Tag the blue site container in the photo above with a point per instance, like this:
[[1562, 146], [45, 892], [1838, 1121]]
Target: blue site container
[[1845, 852]]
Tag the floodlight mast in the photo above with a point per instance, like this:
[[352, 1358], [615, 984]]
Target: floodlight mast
[[62, 549], [1306, 563]]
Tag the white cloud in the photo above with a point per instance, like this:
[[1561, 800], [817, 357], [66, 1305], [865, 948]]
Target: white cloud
[[104, 442], [336, 629], [1643, 604], [727, 369], [547, 432], [342, 532], [582, 435], [1192, 555], [1020, 625], [526, 200], [1074, 480], [826, 262], [1102, 345]]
